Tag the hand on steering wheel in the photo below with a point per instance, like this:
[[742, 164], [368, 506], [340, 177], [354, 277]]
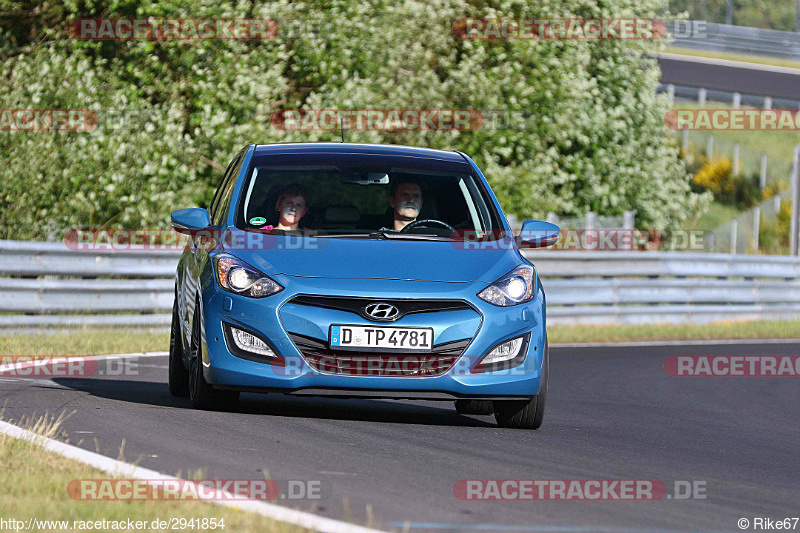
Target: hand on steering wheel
[[417, 223]]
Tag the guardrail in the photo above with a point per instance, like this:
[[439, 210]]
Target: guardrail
[[703, 35], [46, 284]]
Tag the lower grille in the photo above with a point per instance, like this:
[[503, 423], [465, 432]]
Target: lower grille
[[356, 363]]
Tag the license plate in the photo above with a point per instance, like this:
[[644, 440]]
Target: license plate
[[386, 337]]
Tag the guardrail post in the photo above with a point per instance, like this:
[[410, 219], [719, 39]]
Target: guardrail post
[[762, 176], [591, 219], [628, 221], [735, 159], [734, 236], [795, 222], [685, 138], [552, 218], [767, 103], [671, 92], [710, 147], [756, 227], [737, 100], [701, 96]]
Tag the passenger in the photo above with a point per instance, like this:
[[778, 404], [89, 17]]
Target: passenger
[[292, 206]]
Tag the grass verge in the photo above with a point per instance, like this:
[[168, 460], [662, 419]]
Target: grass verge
[[85, 342], [35, 486], [779, 329], [716, 215]]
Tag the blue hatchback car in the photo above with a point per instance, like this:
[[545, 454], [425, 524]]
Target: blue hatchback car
[[360, 271]]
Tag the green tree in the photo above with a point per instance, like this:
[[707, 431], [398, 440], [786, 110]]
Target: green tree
[[590, 137]]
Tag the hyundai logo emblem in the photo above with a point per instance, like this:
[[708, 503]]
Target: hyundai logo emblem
[[382, 311]]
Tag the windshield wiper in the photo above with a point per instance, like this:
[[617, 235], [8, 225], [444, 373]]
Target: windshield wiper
[[387, 234], [346, 235], [409, 236]]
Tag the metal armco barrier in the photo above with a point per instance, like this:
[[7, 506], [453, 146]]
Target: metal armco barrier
[[651, 287], [702, 35], [47, 284]]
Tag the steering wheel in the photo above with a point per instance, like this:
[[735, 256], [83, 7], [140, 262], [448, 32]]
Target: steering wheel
[[417, 223]]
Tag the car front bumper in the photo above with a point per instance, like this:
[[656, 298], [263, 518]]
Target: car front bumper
[[276, 317]]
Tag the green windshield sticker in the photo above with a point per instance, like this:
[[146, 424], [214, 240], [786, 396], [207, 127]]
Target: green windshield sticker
[[258, 221]]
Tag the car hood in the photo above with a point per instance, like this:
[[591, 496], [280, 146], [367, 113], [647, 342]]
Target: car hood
[[378, 259]]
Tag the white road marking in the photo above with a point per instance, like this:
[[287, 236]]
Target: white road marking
[[120, 468], [61, 359], [656, 344]]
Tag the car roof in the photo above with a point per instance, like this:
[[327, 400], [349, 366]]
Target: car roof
[[355, 148]]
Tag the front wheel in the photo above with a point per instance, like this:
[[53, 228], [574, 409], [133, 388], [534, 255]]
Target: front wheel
[[178, 375], [525, 414], [203, 395]]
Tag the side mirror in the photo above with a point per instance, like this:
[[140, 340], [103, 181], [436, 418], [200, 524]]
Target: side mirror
[[190, 220], [537, 234]]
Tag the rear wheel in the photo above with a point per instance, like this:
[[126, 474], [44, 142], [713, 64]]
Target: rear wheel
[[474, 407], [525, 414], [203, 395], [178, 375]]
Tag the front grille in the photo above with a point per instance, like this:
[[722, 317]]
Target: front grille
[[358, 305], [359, 363]]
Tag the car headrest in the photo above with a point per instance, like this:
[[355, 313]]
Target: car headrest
[[342, 214]]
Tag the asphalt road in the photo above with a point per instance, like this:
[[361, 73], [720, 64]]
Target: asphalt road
[[612, 413], [761, 80]]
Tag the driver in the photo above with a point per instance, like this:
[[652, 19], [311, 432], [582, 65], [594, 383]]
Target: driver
[[405, 200]]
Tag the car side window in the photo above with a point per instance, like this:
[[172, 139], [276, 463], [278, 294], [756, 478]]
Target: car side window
[[227, 193], [213, 209]]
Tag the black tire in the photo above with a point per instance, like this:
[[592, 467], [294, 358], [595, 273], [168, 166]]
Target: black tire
[[474, 407], [525, 414], [203, 395], [178, 375]]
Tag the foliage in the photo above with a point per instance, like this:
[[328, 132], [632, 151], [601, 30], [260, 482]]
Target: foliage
[[774, 235], [716, 176], [171, 113], [773, 188]]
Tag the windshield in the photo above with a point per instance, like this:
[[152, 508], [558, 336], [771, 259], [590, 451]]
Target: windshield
[[365, 201]]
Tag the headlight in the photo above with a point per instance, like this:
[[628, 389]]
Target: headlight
[[238, 277], [505, 355], [516, 287]]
